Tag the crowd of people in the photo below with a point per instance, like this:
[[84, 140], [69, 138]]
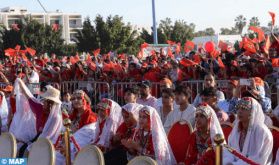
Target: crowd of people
[[140, 126]]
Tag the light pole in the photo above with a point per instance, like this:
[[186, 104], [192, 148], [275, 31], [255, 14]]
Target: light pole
[[154, 23]]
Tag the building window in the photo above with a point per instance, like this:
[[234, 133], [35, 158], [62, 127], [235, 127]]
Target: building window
[[138, 28], [12, 10]]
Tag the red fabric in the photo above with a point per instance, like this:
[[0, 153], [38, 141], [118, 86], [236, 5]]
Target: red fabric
[[275, 135], [227, 131], [101, 126], [137, 71], [149, 149], [87, 117], [275, 121], [13, 105], [193, 152], [177, 140], [275, 45], [232, 118], [262, 73], [40, 62], [123, 129]]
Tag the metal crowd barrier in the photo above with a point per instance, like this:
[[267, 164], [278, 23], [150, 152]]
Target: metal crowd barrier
[[94, 90], [34, 86], [274, 90], [117, 90]]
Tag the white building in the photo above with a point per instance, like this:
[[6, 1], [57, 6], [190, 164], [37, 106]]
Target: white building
[[229, 39], [70, 21], [139, 28]]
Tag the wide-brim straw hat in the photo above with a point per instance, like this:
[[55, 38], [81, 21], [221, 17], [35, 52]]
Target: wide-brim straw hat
[[52, 94]]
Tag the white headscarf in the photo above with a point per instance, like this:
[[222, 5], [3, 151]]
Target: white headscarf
[[23, 126], [214, 126], [133, 108], [258, 142], [112, 123], [4, 113], [163, 152]]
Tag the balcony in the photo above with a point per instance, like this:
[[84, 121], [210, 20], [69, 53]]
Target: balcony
[[75, 26]]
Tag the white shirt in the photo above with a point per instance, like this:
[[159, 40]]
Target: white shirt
[[34, 78], [175, 115], [198, 99], [159, 104], [66, 106], [224, 105]]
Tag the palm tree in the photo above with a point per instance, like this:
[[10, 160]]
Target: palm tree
[[240, 23]]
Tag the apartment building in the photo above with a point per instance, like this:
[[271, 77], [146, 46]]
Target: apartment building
[[9, 16]]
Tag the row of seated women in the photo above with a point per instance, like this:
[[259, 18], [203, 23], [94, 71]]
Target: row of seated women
[[133, 130]]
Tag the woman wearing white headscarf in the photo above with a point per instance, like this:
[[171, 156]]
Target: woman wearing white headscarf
[[207, 126], [3, 112], [109, 124], [126, 130], [150, 139], [32, 119], [250, 136]]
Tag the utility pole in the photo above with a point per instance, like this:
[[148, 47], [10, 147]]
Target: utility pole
[[154, 23]]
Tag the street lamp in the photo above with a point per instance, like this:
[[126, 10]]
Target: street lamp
[[154, 23]]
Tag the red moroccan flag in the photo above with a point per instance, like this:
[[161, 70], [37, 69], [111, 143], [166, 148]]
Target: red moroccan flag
[[215, 54], [29, 63], [230, 48], [92, 66], [169, 52], [88, 59], [118, 68], [197, 58], [241, 45], [200, 45], [187, 62], [76, 58], [151, 76], [275, 62], [221, 63], [144, 45], [170, 42], [123, 56], [106, 67], [222, 45], [73, 61], [261, 35], [45, 60], [267, 45], [24, 57], [31, 51], [255, 40], [15, 27], [189, 46], [17, 48], [65, 59], [55, 27], [153, 52], [178, 47], [179, 75], [273, 17], [254, 29], [250, 47], [96, 52], [112, 65]]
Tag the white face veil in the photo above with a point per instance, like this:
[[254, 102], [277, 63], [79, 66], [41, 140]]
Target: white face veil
[[214, 125], [163, 152], [258, 142], [4, 113], [23, 126], [111, 125]]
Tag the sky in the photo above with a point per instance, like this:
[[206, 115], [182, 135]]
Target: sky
[[203, 13]]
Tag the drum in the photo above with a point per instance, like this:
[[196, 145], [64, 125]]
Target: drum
[[89, 155], [42, 152], [142, 160], [8, 145]]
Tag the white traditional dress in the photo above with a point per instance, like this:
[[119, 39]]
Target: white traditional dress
[[188, 114], [258, 142]]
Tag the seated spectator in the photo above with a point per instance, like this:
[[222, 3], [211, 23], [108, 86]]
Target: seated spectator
[[230, 91], [185, 111], [131, 94], [150, 139], [250, 136]]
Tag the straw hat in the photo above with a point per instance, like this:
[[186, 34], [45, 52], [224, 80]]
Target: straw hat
[[52, 94]]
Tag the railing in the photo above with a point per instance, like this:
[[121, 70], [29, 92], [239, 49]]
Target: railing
[[75, 26]]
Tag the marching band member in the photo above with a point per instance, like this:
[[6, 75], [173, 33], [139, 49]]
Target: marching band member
[[150, 139], [250, 136], [207, 126]]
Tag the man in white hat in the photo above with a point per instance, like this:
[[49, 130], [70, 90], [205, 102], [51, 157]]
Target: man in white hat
[[48, 117]]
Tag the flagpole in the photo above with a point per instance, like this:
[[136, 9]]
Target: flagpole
[[154, 23]]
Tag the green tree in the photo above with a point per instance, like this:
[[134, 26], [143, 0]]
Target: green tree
[[109, 35], [225, 31], [209, 32], [240, 23], [166, 27], [31, 33], [200, 33]]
